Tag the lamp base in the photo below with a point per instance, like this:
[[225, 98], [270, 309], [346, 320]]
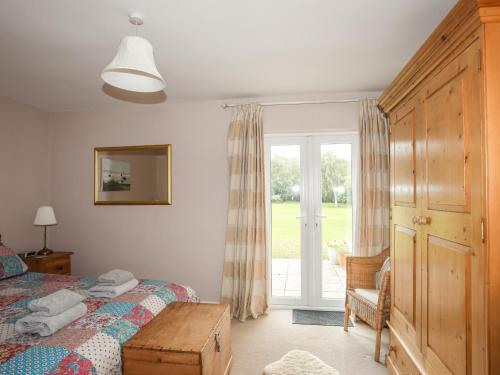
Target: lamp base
[[44, 252]]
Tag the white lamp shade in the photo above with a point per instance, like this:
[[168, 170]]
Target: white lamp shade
[[133, 67], [45, 216]]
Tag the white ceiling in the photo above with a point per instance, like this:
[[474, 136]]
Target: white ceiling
[[52, 51]]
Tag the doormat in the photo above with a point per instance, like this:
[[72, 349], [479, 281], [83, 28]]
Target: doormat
[[320, 318]]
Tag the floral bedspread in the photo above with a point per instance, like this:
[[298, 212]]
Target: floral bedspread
[[89, 345]]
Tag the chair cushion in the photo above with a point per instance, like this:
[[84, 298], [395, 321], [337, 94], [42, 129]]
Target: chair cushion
[[369, 294], [299, 362], [380, 274]]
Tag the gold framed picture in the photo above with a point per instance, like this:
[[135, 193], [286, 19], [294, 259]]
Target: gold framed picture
[[138, 175]]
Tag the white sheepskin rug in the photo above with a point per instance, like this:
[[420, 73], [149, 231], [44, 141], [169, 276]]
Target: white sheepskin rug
[[299, 362]]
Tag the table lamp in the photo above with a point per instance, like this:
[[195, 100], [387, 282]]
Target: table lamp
[[44, 217]]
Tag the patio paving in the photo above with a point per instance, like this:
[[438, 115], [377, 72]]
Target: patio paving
[[286, 279]]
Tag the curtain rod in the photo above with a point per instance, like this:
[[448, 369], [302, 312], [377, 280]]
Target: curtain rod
[[270, 104]]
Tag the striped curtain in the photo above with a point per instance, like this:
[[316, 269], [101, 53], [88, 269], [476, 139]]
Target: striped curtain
[[375, 181], [244, 279]]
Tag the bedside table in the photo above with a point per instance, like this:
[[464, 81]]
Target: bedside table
[[59, 262]]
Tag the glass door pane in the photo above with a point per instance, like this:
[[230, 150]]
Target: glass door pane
[[310, 192], [286, 220], [336, 211]]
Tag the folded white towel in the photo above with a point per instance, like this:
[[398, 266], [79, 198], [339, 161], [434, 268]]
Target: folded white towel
[[109, 291], [55, 303], [47, 325], [115, 277]]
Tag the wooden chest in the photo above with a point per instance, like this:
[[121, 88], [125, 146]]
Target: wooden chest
[[184, 339]]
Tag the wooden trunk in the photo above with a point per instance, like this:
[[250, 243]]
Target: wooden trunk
[[444, 111], [184, 339]]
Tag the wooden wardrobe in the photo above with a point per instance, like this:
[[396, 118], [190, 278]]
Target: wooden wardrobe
[[444, 113]]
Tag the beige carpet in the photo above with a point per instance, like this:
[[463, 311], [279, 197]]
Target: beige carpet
[[257, 343]]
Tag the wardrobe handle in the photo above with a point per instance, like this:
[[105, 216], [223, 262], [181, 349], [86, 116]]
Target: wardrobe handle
[[217, 342], [424, 220], [415, 219]]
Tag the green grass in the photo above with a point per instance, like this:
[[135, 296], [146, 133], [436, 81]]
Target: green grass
[[286, 228]]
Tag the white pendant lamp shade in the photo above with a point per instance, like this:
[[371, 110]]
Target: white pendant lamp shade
[[133, 67]]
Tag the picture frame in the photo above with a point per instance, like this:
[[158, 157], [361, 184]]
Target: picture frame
[[133, 175]]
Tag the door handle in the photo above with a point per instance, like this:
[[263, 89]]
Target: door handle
[[319, 217], [302, 217], [316, 222]]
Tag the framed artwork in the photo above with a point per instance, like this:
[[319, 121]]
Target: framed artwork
[[133, 175]]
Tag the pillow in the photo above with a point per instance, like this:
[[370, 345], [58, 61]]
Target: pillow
[[380, 274], [10, 263]]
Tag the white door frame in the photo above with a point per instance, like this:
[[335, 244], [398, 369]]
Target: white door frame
[[310, 204], [289, 139], [315, 284]]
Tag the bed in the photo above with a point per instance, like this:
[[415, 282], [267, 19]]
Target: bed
[[89, 345]]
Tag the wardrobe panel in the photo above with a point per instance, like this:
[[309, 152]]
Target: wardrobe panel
[[447, 145], [403, 134], [448, 304], [404, 272]]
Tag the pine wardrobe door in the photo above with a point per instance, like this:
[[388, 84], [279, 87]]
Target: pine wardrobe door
[[405, 207], [450, 224]]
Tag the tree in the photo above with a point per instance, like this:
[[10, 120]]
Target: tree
[[285, 176], [335, 172]]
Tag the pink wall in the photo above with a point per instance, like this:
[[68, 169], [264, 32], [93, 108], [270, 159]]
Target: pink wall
[[183, 242], [311, 118], [24, 173]]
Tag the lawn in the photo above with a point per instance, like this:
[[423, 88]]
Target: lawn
[[286, 228]]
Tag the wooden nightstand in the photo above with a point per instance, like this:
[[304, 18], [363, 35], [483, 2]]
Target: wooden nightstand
[[59, 262]]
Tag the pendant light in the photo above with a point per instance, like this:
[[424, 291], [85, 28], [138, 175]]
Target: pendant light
[[133, 67]]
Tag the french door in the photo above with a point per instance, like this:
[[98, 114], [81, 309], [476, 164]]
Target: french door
[[311, 190]]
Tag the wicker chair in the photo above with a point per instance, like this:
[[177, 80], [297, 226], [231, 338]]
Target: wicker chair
[[361, 275]]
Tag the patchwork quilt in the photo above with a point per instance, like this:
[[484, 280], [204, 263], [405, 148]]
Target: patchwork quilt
[[89, 345]]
